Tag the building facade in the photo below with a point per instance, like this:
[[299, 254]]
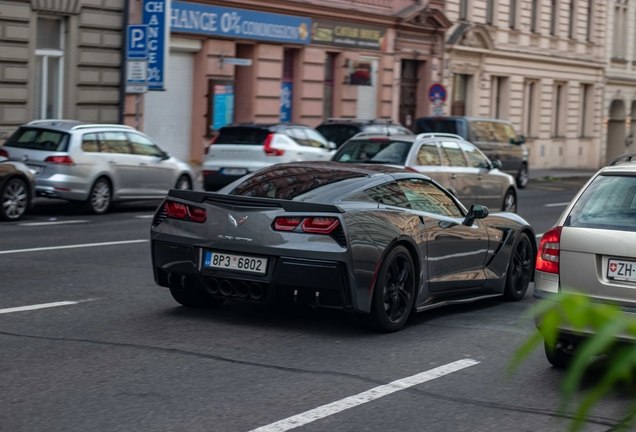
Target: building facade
[[619, 104], [539, 64], [59, 59], [298, 61]]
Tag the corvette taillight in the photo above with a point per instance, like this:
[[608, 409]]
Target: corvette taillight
[[287, 223], [549, 251], [177, 210], [312, 225], [320, 225]]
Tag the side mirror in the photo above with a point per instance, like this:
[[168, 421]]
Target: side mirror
[[476, 212], [165, 155], [522, 139], [331, 145], [495, 163]]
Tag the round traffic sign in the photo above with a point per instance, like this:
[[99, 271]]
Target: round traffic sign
[[436, 93]]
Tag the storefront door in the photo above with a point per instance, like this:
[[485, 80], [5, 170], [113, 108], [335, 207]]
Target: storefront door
[[368, 94], [408, 93]]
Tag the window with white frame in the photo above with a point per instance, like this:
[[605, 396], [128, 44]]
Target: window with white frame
[[49, 68]]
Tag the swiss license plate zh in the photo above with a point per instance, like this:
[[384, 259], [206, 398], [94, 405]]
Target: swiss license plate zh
[[239, 263], [621, 270]]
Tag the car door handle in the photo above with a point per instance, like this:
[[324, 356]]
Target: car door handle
[[453, 176], [112, 161], [143, 163]]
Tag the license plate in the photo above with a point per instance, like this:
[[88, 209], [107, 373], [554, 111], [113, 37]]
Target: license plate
[[621, 270], [235, 262], [234, 171], [35, 169]]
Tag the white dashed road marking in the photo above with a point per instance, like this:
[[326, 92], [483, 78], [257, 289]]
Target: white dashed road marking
[[38, 306], [539, 235], [364, 397], [54, 223], [144, 216], [73, 246], [557, 204]]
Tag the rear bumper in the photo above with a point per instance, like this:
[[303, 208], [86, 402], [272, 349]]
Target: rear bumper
[[214, 182], [316, 282], [62, 186]]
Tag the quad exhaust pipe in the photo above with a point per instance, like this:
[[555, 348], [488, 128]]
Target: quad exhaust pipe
[[224, 287]]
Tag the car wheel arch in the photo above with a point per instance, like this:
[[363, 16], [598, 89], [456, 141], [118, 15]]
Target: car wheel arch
[[410, 245], [21, 177], [535, 250]]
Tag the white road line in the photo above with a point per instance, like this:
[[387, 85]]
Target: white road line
[[539, 235], [364, 397], [73, 246], [557, 204], [145, 216], [37, 306], [54, 223]]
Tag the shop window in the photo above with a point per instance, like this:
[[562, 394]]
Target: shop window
[[49, 68], [327, 99]]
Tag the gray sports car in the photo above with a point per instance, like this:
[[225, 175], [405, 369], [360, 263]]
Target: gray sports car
[[376, 241]]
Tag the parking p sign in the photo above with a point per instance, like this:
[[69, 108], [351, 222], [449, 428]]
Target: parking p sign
[[137, 46]]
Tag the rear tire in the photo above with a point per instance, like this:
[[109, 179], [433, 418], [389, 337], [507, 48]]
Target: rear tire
[[522, 177], [510, 202], [520, 269], [393, 294], [195, 299], [557, 357], [100, 196], [14, 199]]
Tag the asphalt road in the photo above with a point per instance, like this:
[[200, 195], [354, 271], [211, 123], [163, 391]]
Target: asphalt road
[[126, 357]]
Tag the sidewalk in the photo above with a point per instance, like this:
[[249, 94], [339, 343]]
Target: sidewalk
[[560, 173]]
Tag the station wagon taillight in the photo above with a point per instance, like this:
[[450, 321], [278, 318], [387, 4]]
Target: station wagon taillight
[[60, 160], [549, 251], [177, 210], [269, 150]]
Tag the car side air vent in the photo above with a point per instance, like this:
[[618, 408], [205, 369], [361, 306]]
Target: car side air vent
[[160, 216], [339, 236]]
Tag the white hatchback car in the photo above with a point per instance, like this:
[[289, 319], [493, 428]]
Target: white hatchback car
[[96, 164], [240, 149]]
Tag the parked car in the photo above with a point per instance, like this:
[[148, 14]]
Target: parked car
[[339, 130], [452, 162], [591, 250], [496, 138], [17, 189], [95, 164], [243, 148], [376, 241]]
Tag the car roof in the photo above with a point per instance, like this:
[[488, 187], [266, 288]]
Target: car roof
[[358, 122], [71, 125], [623, 164], [264, 125], [464, 118], [410, 138]]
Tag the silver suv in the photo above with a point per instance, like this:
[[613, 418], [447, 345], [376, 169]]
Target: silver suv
[[95, 164], [591, 249]]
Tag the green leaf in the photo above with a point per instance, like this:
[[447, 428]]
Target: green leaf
[[523, 352]]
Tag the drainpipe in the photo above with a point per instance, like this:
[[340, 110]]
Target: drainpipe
[[122, 74]]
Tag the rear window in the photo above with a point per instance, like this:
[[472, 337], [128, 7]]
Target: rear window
[[242, 135], [39, 139], [339, 134], [609, 202], [370, 151], [427, 125], [293, 182], [489, 131]]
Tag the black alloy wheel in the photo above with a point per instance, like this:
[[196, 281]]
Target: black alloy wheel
[[15, 199], [100, 197], [394, 293], [520, 269], [523, 177], [510, 202], [184, 183]]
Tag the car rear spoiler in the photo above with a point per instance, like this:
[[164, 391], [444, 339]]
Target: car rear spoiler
[[242, 201]]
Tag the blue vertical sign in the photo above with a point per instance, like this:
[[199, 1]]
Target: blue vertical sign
[[155, 16], [222, 106], [286, 101]]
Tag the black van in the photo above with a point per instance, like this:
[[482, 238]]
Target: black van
[[496, 138]]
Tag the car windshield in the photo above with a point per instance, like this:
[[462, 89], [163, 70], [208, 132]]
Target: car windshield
[[293, 182], [39, 139], [338, 133], [427, 125], [242, 135], [609, 202], [374, 151]]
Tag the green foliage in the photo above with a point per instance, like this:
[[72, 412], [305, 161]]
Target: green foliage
[[603, 323]]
